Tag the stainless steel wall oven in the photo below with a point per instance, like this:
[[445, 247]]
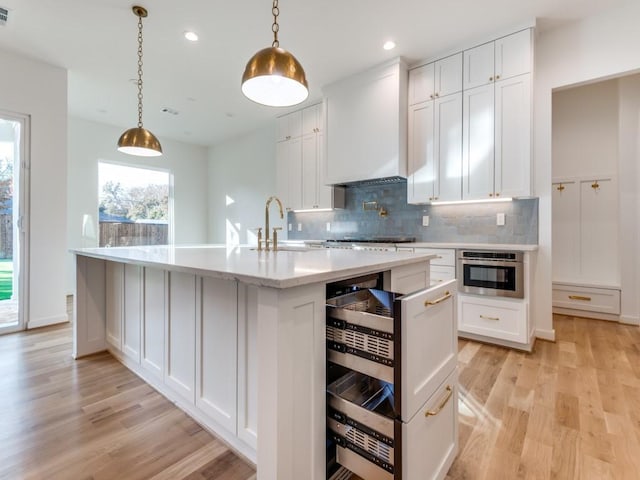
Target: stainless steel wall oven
[[494, 273]]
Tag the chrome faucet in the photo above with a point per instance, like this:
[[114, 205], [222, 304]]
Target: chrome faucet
[[266, 223]]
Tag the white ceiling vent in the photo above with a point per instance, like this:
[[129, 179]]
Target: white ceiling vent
[[4, 14]]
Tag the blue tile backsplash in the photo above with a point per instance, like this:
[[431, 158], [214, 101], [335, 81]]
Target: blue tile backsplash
[[461, 223]]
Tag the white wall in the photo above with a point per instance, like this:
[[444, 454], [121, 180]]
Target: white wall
[[598, 47], [629, 185], [40, 91], [241, 177], [91, 142]]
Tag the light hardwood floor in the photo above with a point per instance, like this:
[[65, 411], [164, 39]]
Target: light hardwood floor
[[570, 410]]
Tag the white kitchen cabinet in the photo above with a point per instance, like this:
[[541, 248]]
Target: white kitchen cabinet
[[431, 436], [437, 79], [181, 335], [367, 125], [114, 291], [598, 300], [289, 126], [132, 319], [300, 163], [502, 319], [501, 59], [289, 173], [407, 278], [435, 150], [154, 321], [443, 267], [496, 134], [217, 335]]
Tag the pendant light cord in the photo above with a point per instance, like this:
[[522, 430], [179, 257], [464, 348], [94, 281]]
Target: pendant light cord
[[275, 27], [139, 72]]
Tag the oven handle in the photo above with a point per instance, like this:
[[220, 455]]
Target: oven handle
[[488, 263]]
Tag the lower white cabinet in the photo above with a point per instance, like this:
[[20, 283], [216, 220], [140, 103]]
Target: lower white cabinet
[[504, 319], [407, 278], [598, 300], [443, 267], [114, 291], [431, 437], [154, 321], [181, 335], [132, 321], [216, 351]]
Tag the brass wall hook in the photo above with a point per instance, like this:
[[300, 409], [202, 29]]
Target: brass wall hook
[[595, 185], [560, 187]]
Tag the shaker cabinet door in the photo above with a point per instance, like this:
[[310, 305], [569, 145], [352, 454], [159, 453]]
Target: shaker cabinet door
[[429, 344]]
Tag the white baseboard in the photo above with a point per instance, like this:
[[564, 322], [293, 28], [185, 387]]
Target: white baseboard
[[546, 334], [46, 321], [630, 319]]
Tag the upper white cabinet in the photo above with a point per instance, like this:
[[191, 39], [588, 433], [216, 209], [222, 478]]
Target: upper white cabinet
[[436, 79], [300, 161], [366, 125], [435, 150], [497, 119], [499, 60]]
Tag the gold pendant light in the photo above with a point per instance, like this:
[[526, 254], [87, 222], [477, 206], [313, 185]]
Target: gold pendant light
[[138, 140], [273, 76]]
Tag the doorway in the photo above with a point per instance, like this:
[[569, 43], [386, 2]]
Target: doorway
[[13, 220]]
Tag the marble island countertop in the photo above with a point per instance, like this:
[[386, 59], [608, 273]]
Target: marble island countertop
[[281, 269]]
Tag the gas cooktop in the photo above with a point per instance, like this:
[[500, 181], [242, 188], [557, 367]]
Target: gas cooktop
[[374, 239]]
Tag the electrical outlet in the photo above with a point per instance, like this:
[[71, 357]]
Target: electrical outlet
[[328, 226], [290, 227], [500, 219], [425, 221], [299, 227]]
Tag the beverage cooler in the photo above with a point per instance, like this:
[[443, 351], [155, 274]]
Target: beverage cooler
[[391, 381]]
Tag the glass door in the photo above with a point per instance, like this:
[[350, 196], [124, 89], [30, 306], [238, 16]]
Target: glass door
[[13, 223]]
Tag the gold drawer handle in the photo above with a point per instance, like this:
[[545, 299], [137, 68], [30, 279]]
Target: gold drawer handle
[[497, 319], [431, 413], [429, 303], [579, 297]]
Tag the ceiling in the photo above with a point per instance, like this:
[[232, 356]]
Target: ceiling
[[96, 40]]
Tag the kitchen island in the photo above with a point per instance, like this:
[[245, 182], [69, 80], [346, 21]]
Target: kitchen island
[[234, 336]]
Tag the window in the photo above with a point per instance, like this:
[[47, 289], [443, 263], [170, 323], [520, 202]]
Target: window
[[134, 205]]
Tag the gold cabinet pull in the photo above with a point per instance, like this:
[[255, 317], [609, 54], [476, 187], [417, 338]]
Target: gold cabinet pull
[[431, 413], [579, 297], [497, 319], [429, 303]]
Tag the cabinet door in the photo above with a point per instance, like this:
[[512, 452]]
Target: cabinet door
[[132, 311], [325, 193], [289, 126], [289, 173], [513, 137], [114, 303], [153, 325], [309, 174], [430, 439], [503, 319], [599, 257], [429, 344], [421, 84], [216, 369], [513, 55], [181, 335], [477, 143], [282, 173], [448, 148], [448, 75], [421, 171], [478, 66], [312, 119]]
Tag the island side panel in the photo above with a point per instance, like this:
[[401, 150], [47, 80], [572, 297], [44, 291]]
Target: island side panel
[[291, 383], [89, 313]]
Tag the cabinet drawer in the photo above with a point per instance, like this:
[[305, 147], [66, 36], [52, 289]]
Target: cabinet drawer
[[445, 256], [592, 299], [440, 274], [503, 319]]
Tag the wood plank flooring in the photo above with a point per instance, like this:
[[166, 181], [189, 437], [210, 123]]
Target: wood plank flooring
[[570, 410]]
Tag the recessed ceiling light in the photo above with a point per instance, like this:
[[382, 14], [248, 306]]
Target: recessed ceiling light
[[389, 45], [191, 36]]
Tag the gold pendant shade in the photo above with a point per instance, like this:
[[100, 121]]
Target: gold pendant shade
[[273, 76]]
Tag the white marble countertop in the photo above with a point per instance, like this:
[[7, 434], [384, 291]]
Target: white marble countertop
[[281, 269]]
